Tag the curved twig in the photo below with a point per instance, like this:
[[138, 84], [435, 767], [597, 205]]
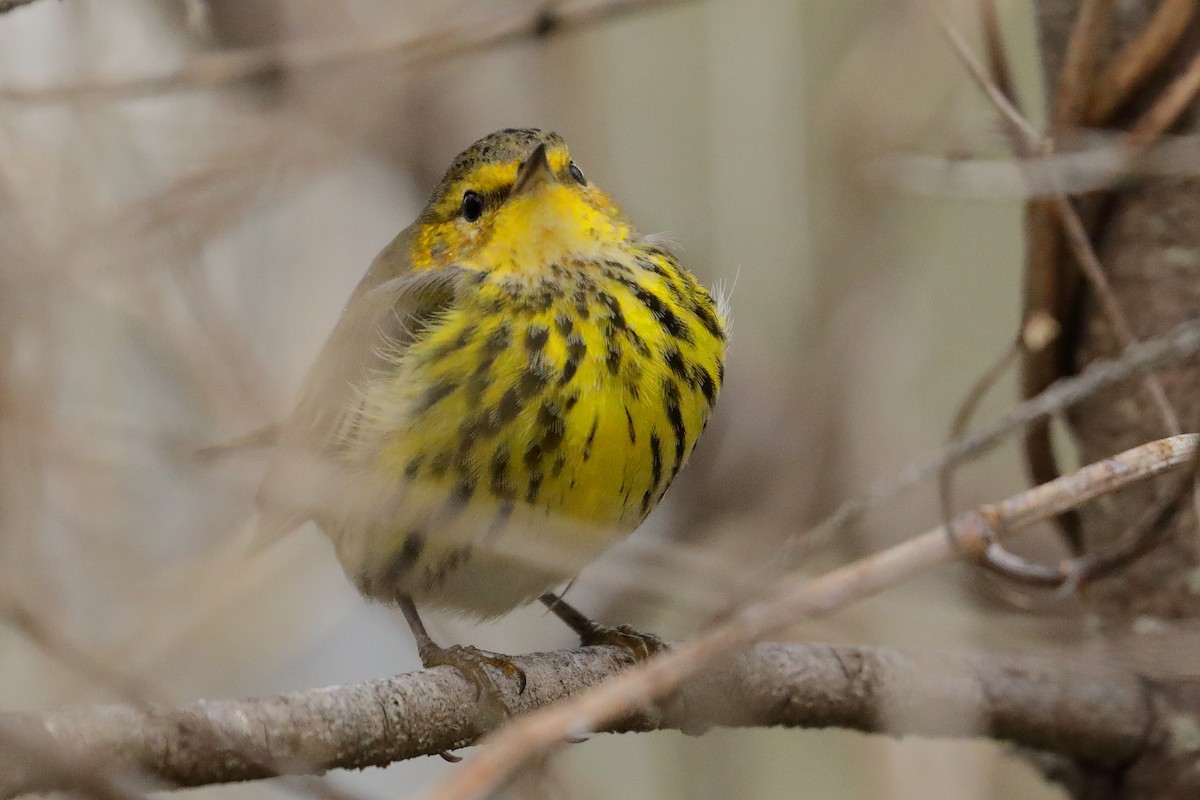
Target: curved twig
[[529, 737]]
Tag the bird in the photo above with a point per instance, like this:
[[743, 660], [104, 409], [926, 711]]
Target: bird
[[509, 390]]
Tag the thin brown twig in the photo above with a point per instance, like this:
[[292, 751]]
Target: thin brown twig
[[1167, 107], [1002, 78], [1042, 285], [1012, 115], [1149, 531], [1137, 60], [1151, 354], [1144, 535], [966, 411], [233, 66], [1089, 262], [1079, 63], [1050, 286], [528, 737], [997, 54]]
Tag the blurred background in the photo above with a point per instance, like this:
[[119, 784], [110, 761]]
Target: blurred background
[[174, 251]]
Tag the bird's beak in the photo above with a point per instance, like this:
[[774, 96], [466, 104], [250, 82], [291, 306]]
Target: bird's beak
[[534, 172]]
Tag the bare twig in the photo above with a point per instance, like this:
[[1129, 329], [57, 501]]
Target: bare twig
[[1037, 701], [531, 736], [1167, 107], [1101, 164], [1081, 247], [1011, 114], [966, 411], [1000, 72], [1148, 532], [1182, 342], [10, 5], [997, 54], [232, 66], [1079, 63], [1138, 59]]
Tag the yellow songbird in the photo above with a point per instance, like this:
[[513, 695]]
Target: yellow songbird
[[510, 389]]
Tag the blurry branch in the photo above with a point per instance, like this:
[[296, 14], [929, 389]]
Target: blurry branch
[[1051, 285], [475, 35], [9, 5], [39, 762], [1079, 66], [97, 777], [1151, 354], [997, 55], [1094, 712], [1136, 62], [21, 618], [1104, 162], [528, 738], [1078, 72]]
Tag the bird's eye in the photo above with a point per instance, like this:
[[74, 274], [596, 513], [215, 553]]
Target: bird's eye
[[577, 174], [472, 206]]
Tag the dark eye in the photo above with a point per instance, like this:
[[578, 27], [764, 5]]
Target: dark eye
[[472, 206], [577, 174]]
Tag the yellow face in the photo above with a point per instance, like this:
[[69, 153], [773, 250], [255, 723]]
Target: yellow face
[[476, 218]]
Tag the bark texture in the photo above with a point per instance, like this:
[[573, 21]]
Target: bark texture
[[1147, 235], [1094, 713]]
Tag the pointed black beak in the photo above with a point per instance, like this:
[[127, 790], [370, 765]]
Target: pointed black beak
[[534, 172]]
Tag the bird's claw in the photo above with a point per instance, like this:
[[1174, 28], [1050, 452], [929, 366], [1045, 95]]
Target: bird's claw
[[472, 664], [641, 644]]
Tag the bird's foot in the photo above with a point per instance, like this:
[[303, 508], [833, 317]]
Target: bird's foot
[[472, 663], [643, 645]]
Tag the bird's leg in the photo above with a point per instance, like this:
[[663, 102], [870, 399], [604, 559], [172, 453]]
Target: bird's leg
[[642, 645], [471, 662]]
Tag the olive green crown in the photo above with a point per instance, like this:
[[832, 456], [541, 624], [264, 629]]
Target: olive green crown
[[510, 144]]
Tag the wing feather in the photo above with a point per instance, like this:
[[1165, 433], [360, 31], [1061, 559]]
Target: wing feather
[[384, 316]]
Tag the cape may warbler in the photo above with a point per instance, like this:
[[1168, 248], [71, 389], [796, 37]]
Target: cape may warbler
[[510, 389]]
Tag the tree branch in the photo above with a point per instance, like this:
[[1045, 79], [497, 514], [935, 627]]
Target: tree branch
[[10, 5], [476, 35], [1090, 711]]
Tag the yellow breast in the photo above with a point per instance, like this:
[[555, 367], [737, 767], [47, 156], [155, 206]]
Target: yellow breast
[[541, 418]]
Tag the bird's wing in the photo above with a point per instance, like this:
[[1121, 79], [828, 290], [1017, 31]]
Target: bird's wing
[[384, 316]]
